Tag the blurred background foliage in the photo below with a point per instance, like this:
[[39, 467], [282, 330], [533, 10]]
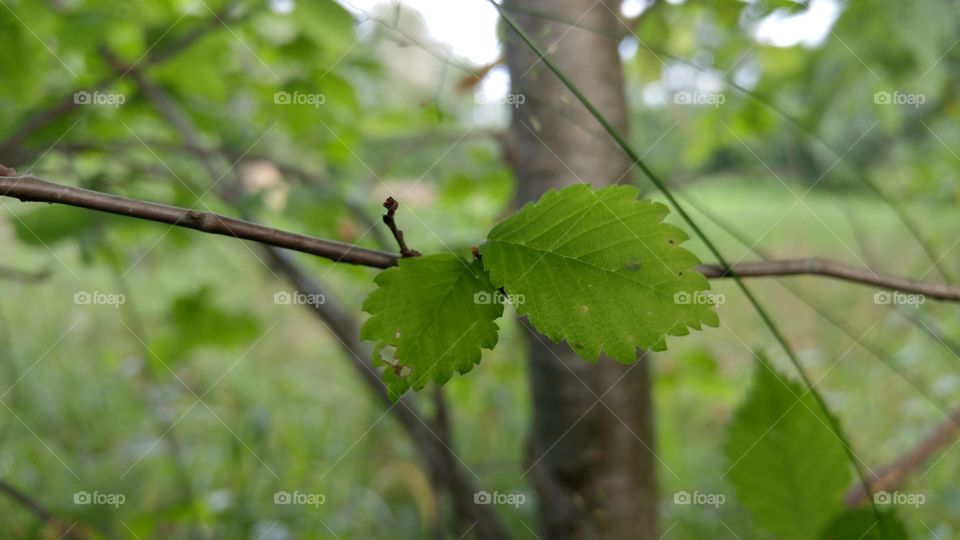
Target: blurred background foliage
[[94, 389]]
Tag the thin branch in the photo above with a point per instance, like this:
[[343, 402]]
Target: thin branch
[[815, 266], [32, 189]]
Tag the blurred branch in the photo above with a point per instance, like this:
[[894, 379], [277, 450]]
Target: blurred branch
[[893, 475], [32, 189], [62, 530], [442, 463], [11, 146], [26, 501], [22, 275]]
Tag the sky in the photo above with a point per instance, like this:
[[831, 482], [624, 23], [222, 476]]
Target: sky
[[468, 26]]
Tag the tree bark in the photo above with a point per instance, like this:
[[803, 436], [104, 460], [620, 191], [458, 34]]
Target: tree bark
[[591, 447]]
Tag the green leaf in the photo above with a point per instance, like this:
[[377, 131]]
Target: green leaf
[[198, 321], [862, 524], [50, 225], [600, 270], [431, 317], [327, 23], [785, 463]]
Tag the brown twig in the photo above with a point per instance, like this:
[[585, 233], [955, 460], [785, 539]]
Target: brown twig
[[389, 218], [815, 266], [32, 189]]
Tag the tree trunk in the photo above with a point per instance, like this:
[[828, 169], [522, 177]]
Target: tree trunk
[[591, 461]]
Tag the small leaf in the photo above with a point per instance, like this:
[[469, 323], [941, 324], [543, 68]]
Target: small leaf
[[600, 270], [786, 465], [430, 317], [50, 225], [862, 524], [198, 321]]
